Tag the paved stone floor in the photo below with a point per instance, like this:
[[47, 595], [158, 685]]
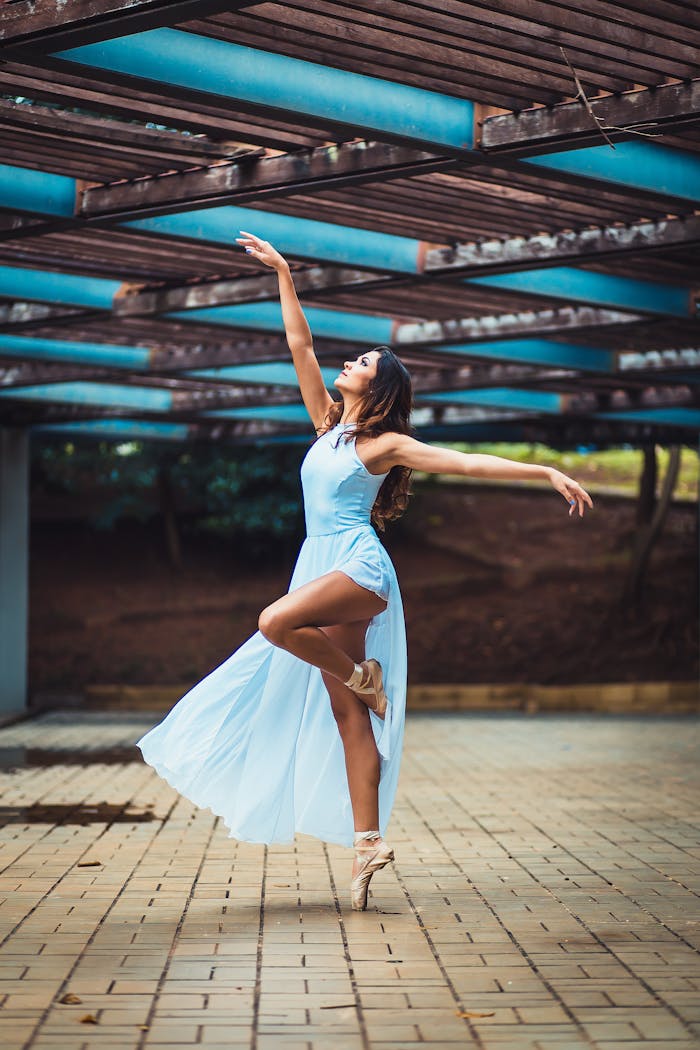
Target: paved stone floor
[[544, 895]]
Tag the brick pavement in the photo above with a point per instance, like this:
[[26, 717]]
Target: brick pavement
[[547, 875]]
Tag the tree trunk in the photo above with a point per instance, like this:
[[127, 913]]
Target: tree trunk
[[650, 520], [647, 486], [167, 510]]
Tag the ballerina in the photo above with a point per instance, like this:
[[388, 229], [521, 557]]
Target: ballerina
[[301, 729]]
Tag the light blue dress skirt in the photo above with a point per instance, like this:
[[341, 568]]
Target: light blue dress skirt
[[256, 740]]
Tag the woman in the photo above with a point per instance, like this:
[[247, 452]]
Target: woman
[[257, 740]]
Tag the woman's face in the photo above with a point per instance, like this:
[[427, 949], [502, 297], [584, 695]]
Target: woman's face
[[358, 374]]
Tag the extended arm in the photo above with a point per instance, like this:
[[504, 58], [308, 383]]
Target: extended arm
[[400, 450], [313, 391]]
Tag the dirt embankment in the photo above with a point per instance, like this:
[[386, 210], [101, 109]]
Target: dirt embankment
[[499, 585]]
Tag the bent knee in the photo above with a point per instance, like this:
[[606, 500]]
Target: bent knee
[[272, 625]]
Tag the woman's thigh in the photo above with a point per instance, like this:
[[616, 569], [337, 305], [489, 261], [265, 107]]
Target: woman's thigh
[[350, 637], [328, 601]]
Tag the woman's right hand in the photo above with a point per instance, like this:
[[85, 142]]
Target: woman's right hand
[[261, 250]]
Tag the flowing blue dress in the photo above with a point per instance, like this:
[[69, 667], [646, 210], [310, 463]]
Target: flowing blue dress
[[256, 740]]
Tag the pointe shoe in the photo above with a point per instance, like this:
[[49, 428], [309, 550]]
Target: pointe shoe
[[375, 858], [372, 684]]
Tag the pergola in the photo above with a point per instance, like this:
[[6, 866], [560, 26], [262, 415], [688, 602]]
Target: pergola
[[505, 193]]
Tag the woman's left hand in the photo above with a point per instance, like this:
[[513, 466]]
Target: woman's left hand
[[572, 492]]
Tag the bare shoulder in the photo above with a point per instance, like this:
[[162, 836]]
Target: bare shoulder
[[385, 451]]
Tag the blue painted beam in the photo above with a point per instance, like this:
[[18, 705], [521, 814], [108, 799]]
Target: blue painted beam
[[294, 236], [117, 429], [633, 165], [267, 317], [474, 432], [502, 397], [282, 84], [108, 395], [280, 413], [672, 417], [49, 286], [40, 192], [538, 352], [277, 374], [600, 289], [71, 352]]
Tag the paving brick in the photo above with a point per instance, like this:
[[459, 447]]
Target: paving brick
[[553, 888]]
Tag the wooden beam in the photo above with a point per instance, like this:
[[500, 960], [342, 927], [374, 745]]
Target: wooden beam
[[545, 249], [257, 178], [21, 316], [570, 125], [653, 362], [108, 131], [51, 25], [592, 402], [506, 326], [134, 303], [16, 374]]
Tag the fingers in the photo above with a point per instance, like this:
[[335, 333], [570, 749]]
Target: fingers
[[250, 237], [252, 244], [576, 497], [256, 242]]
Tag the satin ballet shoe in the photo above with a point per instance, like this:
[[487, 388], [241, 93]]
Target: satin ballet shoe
[[371, 859], [367, 680]]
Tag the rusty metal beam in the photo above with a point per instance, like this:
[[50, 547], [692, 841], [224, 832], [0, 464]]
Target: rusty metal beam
[[591, 402], [20, 316], [569, 124], [256, 178], [56, 123], [172, 358], [258, 288], [50, 25], [506, 326], [552, 249], [660, 361]]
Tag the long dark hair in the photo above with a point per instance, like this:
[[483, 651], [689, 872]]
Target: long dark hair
[[386, 407]]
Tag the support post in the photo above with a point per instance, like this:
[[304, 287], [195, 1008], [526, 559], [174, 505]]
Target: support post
[[14, 569]]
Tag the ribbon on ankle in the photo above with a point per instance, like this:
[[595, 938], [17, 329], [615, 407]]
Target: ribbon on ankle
[[366, 836]]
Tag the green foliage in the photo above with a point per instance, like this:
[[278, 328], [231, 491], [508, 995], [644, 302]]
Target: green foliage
[[233, 491], [244, 491]]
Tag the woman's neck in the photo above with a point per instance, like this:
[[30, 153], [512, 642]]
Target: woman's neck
[[348, 413]]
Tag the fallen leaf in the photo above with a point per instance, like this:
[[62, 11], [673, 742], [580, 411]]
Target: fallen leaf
[[145, 1027], [475, 1013], [89, 1019], [70, 999], [89, 863]]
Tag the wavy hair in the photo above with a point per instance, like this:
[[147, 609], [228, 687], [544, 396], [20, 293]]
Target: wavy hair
[[386, 407]]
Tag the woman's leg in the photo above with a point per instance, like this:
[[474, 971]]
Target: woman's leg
[[294, 622], [362, 765], [352, 718]]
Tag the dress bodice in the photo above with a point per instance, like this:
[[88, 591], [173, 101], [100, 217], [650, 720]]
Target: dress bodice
[[339, 491]]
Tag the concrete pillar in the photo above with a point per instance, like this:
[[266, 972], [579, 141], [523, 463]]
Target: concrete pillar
[[14, 569]]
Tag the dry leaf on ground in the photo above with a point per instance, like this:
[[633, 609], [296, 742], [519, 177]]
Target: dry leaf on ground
[[70, 999], [89, 1019], [475, 1013]]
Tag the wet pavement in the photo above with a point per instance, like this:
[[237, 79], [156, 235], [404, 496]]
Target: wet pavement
[[544, 895]]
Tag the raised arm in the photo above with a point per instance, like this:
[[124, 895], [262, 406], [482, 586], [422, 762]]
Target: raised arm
[[313, 391], [390, 450]]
